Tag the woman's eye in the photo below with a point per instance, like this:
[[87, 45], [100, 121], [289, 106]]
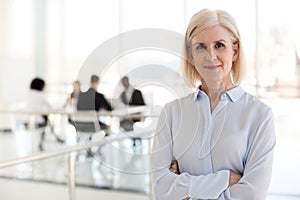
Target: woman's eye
[[200, 47], [219, 45]]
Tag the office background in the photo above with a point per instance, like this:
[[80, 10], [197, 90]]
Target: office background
[[53, 38]]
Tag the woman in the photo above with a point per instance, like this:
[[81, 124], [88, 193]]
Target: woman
[[220, 138], [37, 102], [73, 97]]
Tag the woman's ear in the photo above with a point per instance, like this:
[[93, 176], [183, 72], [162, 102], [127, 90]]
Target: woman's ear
[[192, 61], [235, 53], [190, 58], [189, 54]]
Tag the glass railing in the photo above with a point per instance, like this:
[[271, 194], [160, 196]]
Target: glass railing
[[110, 162]]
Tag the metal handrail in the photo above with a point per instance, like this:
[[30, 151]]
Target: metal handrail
[[132, 111], [48, 154], [70, 150]]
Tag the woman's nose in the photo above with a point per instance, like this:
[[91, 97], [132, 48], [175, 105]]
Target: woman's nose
[[211, 54]]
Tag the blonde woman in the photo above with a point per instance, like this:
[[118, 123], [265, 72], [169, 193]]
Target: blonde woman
[[218, 142]]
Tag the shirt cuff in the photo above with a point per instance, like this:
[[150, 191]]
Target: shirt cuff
[[209, 186]]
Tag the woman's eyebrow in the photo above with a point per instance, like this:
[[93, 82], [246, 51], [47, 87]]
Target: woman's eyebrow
[[198, 43], [203, 43], [221, 40]]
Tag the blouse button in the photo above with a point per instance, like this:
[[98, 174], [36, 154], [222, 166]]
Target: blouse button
[[223, 97]]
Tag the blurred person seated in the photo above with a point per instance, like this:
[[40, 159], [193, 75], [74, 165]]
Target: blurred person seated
[[130, 97], [74, 95], [93, 100], [37, 102], [71, 103]]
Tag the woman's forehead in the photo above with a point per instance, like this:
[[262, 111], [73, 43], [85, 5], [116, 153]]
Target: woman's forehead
[[212, 34]]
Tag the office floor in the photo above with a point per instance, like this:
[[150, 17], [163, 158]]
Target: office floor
[[119, 166], [114, 166]]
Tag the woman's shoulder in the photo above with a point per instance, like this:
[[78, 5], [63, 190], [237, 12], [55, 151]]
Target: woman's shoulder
[[189, 98], [255, 102]]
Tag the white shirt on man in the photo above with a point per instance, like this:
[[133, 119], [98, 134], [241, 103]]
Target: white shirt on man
[[38, 102]]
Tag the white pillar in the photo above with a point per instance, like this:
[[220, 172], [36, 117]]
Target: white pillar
[[40, 40], [4, 27]]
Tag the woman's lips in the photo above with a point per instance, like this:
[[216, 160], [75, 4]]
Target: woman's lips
[[212, 67]]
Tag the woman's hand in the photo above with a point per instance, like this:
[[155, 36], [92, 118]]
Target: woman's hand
[[174, 167], [234, 178]]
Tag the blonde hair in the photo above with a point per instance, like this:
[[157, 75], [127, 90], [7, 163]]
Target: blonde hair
[[204, 19]]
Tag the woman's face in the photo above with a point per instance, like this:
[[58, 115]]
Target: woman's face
[[76, 86], [213, 53]]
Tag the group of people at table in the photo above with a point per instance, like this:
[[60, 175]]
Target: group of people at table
[[90, 100]]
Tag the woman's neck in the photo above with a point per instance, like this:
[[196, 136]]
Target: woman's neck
[[214, 90]]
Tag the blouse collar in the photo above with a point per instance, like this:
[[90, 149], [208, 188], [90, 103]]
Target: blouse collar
[[233, 94]]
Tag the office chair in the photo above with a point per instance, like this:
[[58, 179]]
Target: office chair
[[87, 128]]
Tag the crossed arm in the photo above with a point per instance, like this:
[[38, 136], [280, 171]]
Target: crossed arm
[[171, 183], [233, 177]]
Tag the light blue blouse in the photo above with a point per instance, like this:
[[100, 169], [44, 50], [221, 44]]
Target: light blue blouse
[[238, 136]]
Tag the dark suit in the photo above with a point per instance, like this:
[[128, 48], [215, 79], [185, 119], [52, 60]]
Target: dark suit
[[135, 100], [93, 100]]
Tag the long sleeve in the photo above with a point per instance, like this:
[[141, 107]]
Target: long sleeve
[[102, 103], [168, 185], [209, 145], [258, 164], [37, 101], [137, 98]]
